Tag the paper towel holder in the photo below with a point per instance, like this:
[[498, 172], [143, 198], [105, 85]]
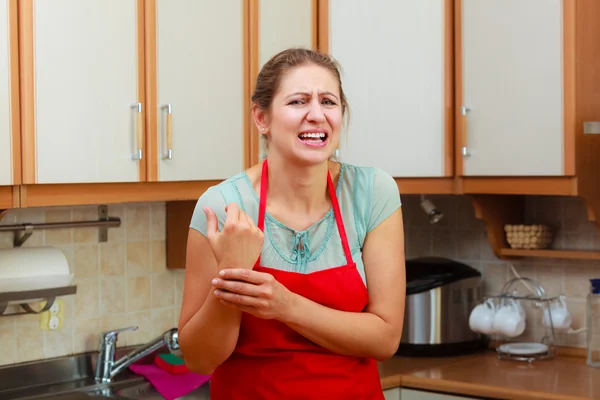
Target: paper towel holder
[[27, 296], [103, 223]]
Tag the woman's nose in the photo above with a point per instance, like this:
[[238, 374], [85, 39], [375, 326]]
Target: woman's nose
[[315, 112]]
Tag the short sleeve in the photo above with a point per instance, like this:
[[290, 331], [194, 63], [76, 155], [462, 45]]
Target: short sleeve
[[386, 198], [213, 199]]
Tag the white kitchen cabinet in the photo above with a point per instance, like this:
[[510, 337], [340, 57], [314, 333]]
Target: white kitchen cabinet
[[283, 25], [6, 143], [199, 102], [512, 87], [395, 57], [83, 96], [391, 394], [410, 394], [414, 394]]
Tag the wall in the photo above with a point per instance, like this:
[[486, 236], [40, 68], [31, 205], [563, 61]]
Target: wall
[[121, 282], [125, 282]]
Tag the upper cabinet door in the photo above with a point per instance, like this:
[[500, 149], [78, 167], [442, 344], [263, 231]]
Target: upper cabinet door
[[196, 88], [9, 101], [284, 24], [83, 93], [396, 56], [281, 25], [512, 87]]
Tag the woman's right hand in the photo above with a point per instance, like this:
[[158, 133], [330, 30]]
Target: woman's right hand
[[240, 242]]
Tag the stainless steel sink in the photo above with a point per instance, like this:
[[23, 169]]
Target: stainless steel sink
[[144, 390], [72, 378]]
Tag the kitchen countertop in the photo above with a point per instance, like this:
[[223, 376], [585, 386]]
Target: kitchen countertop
[[482, 374]]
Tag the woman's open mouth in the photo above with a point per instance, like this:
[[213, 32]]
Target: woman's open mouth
[[314, 139]]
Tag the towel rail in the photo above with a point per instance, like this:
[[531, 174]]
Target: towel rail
[[103, 222]]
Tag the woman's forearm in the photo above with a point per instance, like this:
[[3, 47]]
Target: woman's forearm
[[210, 336], [355, 334]]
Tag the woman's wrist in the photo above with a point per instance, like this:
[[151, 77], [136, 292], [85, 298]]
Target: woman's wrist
[[292, 313]]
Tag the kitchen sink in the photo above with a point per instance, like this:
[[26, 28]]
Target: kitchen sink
[[72, 378], [124, 390], [144, 390]]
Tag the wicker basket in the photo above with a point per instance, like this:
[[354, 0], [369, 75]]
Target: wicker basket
[[528, 236]]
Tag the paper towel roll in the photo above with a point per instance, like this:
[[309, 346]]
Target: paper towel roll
[[33, 268]]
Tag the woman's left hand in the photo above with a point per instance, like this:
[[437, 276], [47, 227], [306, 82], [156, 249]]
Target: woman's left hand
[[254, 292]]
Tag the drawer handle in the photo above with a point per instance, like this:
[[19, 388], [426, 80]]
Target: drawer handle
[[169, 133], [138, 131]]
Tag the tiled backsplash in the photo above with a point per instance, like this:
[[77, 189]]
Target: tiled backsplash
[[121, 282], [461, 236], [125, 282]]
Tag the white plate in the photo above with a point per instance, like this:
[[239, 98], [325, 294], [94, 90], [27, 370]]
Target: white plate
[[523, 348]]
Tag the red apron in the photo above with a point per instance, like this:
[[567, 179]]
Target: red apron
[[272, 361]]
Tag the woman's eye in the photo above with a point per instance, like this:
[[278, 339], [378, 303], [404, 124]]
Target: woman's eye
[[329, 102], [296, 102]]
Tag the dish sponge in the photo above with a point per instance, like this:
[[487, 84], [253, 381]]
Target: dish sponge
[[171, 363]]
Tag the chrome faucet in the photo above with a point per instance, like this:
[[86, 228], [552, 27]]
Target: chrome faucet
[[106, 365]]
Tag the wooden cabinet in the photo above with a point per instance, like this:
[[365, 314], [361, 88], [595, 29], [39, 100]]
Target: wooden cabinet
[[6, 176], [96, 93], [167, 77], [528, 72], [397, 62], [275, 26], [526, 83], [10, 157], [516, 93], [195, 66], [135, 79], [83, 95]]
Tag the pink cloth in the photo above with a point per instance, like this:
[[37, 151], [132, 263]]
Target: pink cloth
[[170, 386]]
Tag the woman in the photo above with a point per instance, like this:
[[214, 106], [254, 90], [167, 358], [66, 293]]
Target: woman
[[305, 309]]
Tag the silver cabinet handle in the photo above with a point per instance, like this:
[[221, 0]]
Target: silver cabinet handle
[[169, 132], [138, 131], [464, 149]]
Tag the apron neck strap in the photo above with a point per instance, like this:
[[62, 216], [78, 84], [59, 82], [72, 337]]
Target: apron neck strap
[[262, 207], [338, 219], [334, 201]]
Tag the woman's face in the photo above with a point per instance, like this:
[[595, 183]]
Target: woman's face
[[305, 120]]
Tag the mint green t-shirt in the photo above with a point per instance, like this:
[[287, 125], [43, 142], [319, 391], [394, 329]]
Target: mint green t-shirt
[[366, 195]]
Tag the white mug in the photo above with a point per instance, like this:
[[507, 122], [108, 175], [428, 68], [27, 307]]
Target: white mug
[[509, 320], [482, 317], [519, 305], [561, 318]]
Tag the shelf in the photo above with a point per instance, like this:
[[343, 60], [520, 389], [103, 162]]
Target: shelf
[[498, 210], [551, 253], [27, 296]]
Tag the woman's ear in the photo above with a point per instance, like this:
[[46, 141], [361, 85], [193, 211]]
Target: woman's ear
[[261, 120]]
